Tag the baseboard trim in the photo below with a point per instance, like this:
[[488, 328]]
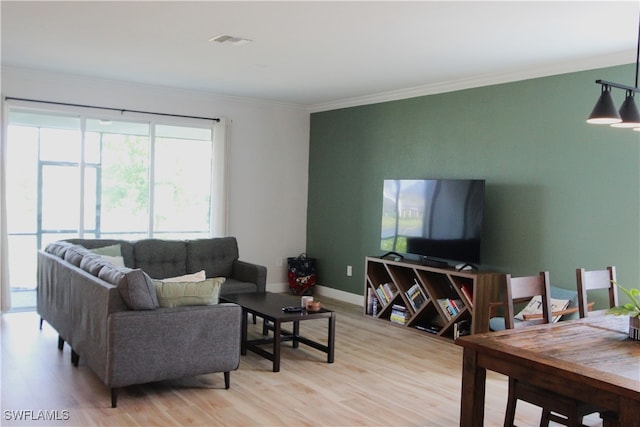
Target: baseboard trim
[[322, 291]]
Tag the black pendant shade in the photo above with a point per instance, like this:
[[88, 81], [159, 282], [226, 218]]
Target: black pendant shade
[[605, 111], [628, 113]]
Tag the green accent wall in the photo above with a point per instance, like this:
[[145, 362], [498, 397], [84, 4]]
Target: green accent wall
[[560, 193]]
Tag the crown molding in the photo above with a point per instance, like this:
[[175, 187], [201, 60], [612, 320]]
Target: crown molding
[[621, 58]]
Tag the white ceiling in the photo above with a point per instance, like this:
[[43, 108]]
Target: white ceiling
[[321, 53]]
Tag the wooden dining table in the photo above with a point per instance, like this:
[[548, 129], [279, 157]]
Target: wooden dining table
[[591, 359]]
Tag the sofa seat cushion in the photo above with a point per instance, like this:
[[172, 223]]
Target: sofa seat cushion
[[161, 258], [178, 294], [135, 286], [215, 256], [233, 286]]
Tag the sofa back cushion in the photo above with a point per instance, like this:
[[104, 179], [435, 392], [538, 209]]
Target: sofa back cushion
[[135, 286], [58, 248], [126, 247], [75, 253], [93, 263], [161, 258], [215, 256]]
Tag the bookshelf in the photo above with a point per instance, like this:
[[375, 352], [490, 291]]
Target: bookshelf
[[438, 301]]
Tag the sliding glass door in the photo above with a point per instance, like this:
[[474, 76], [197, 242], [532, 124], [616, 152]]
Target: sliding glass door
[[71, 175]]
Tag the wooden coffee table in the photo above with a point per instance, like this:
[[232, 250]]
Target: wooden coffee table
[[268, 306]]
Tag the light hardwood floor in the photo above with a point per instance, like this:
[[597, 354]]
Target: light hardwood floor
[[383, 375]]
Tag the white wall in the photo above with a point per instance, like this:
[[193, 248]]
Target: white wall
[[269, 151]]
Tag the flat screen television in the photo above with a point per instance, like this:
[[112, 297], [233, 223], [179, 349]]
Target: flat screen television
[[437, 219]]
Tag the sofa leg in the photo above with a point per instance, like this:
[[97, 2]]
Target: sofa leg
[[75, 358], [60, 343], [114, 397], [41, 320], [227, 380]]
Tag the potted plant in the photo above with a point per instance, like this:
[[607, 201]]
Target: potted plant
[[631, 309]]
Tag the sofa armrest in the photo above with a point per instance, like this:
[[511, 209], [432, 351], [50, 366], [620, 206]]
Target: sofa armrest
[[168, 343], [248, 272]]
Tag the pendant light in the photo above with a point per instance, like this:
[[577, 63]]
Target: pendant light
[[629, 115], [605, 111]]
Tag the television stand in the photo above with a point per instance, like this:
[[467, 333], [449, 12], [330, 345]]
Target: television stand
[[434, 263], [418, 296]]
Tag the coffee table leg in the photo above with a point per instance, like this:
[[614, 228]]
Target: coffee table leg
[[296, 333], [243, 328], [331, 338], [276, 345]]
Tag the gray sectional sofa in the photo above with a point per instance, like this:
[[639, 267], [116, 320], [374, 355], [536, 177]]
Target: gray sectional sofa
[[113, 321]]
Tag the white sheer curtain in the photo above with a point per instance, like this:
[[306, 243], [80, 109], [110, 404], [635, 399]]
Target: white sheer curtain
[[220, 179], [5, 287]]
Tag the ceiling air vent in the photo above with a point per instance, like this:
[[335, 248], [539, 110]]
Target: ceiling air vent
[[225, 38]]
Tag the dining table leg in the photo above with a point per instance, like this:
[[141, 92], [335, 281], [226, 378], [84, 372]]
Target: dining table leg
[[473, 390]]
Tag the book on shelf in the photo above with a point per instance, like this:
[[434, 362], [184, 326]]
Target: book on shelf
[[381, 295], [457, 304], [389, 290], [461, 328], [429, 328], [448, 308], [399, 314], [370, 299], [434, 326], [416, 296], [468, 294]]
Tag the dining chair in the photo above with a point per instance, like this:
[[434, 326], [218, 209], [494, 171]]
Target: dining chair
[[522, 289], [557, 408], [593, 280]]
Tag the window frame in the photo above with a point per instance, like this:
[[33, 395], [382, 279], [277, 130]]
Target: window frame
[[218, 195]]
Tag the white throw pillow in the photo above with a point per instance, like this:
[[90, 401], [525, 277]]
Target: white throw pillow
[[193, 277], [118, 261]]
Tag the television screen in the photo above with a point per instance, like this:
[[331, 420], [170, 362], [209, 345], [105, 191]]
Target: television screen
[[434, 218]]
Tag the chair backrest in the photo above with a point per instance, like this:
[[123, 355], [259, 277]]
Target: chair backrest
[[595, 279], [520, 289]]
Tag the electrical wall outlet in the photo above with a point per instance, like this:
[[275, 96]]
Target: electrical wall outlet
[[349, 270]]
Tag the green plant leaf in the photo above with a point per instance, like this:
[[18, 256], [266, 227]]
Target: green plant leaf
[[633, 308]]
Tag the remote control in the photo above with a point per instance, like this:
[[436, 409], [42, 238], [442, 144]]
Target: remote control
[[292, 309]]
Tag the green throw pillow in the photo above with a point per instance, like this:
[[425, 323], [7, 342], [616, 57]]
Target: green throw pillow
[[177, 294], [112, 253], [113, 250]]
